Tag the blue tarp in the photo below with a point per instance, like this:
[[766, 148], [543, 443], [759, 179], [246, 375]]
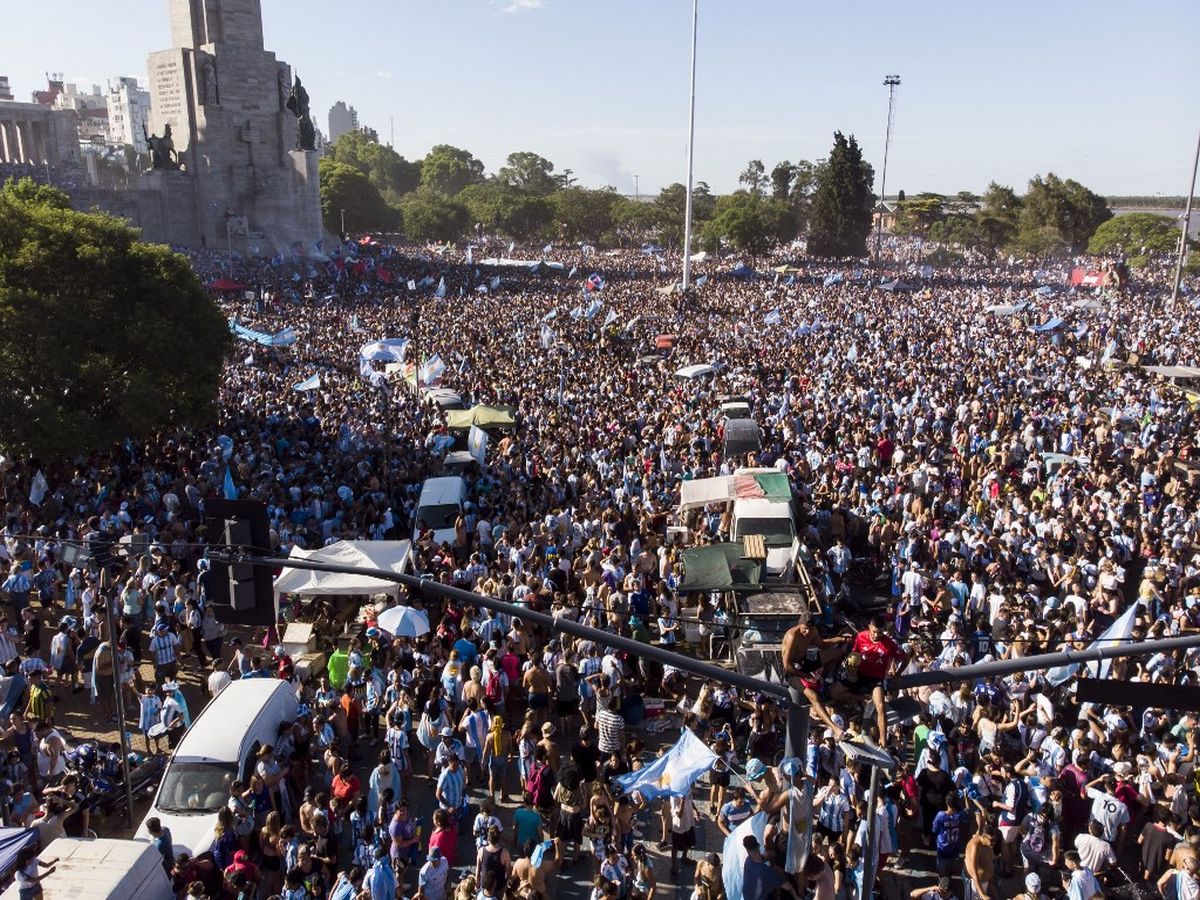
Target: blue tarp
[[894, 285], [284, 338], [1045, 290], [742, 271], [12, 842]]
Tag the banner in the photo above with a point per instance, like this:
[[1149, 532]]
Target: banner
[[1120, 631]]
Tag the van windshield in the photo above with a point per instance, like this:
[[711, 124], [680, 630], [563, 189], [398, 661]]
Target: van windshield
[[438, 517], [196, 787], [775, 532]]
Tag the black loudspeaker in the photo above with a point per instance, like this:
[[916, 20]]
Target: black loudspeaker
[[242, 594]]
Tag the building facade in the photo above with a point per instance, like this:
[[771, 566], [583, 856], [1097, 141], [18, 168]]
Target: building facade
[[128, 113], [342, 118]]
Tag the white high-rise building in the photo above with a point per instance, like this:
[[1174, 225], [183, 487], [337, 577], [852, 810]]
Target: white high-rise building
[[128, 112], [342, 118]]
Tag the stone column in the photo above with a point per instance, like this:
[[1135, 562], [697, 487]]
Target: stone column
[[27, 142], [8, 142]]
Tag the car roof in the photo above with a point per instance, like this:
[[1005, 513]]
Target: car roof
[[217, 733], [439, 491]]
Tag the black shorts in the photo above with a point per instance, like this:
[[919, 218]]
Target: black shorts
[[683, 841], [539, 701], [566, 707]]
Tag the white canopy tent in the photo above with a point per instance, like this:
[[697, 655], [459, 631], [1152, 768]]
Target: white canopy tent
[[703, 491], [394, 556]]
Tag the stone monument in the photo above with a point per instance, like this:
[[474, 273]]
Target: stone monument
[[227, 156]]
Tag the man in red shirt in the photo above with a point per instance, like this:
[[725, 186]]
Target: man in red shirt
[[876, 654]]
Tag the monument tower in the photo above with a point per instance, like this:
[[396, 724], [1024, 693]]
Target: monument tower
[[236, 174]]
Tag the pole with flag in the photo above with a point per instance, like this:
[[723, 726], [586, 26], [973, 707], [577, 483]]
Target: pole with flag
[[673, 773]]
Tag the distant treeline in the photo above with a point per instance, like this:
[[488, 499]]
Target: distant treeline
[[1155, 202]]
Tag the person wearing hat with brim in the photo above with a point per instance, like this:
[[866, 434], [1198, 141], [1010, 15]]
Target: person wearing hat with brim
[[447, 747], [432, 878]]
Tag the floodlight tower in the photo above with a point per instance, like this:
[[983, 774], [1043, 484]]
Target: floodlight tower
[[891, 82]]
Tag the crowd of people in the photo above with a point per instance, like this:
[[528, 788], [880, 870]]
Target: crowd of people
[[1005, 490]]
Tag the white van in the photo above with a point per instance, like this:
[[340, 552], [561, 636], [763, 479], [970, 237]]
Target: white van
[[220, 747], [102, 869], [774, 520], [441, 501]]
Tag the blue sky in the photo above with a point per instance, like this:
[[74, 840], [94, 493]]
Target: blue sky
[[1103, 92]]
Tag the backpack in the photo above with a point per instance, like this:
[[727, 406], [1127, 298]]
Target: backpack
[[540, 786], [494, 692]]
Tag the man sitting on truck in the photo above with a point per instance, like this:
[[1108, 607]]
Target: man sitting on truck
[[806, 656], [875, 655]]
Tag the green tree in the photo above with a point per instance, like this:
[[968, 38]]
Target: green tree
[[671, 205], [750, 222], [503, 208], [918, 215], [781, 180], [996, 220], [447, 170], [635, 221], [583, 214], [345, 188], [391, 174], [428, 216], [956, 228], [1066, 206], [841, 207], [1138, 233], [103, 337], [530, 174], [754, 176]]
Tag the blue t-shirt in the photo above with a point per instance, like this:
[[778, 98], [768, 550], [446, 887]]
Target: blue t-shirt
[[528, 821], [947, 829]]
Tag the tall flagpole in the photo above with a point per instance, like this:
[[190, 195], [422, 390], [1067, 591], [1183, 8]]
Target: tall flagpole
[[687, 214], [1187, 222]]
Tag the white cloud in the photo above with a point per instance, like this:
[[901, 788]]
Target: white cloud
[[382, 74], [520, 6]]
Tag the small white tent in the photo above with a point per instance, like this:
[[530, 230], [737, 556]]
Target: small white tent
[[394, 556]]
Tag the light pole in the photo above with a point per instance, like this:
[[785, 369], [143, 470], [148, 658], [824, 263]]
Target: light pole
[[637, 192], [891, 82], [687, 209], [1187, 223], [343, 212]]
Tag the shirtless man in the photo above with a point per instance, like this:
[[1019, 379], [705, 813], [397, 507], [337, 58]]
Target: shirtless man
[[979, 862], [805, 656]]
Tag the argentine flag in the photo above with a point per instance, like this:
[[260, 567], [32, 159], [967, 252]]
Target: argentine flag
[[230, 491], [1119, 632], [673, 773]]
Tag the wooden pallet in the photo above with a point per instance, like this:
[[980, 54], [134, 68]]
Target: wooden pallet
[[754, 546]]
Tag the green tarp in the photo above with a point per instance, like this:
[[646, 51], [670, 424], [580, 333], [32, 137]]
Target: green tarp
[[719, 567], [480, 416], [775, 486]]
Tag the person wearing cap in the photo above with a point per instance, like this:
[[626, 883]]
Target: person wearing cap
[[447, 747], [1033, 888], [432, 878]]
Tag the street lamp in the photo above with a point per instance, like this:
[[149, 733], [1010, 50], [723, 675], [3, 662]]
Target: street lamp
[[1187, 222], [891, 82], [687, 210], [637, 192], [343, 224]]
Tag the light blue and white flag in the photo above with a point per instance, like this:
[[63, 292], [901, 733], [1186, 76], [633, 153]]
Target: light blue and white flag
[[702, 281], [441, 288], [412, 285], [593, 309], [230, 491], [309, 384], [610, 318], [494, 283], [225, 442], [470, 256], [432, 370], [852, 353], [574, 271], [1119, 632], [546, 336], [547, 249], [551, 316], [772, 318], [673, 773], [733, 855]]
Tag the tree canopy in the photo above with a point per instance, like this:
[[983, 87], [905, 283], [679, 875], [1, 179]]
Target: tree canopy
[[429, 216], [1052, 205], [530, 174], [344, 187], [102, 337], [447, 170], [389, 172], [751, 222], [841, 206], [1135, 233], [583, 214]]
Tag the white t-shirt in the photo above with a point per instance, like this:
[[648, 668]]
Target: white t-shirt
[[1110, 812]]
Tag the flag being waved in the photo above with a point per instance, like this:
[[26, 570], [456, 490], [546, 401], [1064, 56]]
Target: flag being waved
[[673, 773]]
